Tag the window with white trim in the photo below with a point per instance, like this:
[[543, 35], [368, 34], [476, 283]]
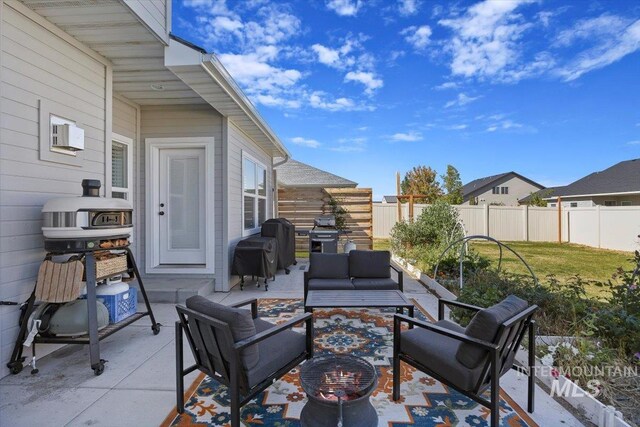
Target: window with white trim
[[254, 194], [626, 203], [610, 203], [121, 168]]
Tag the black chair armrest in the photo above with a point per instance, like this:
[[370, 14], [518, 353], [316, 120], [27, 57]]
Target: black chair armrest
[[442, 302], [400, 274], [254, 306], [446, 332], [272, 331], [306, 284]]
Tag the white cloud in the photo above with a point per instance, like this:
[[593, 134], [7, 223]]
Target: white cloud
[[637, 142], [363, 128], [342, 57], [418, 37], [309, 143], [345, 7], [369, 80], [461, 100], [446, 85], [410, 136], [408, 7], [612, 38], [504, 125], [485, 40], [458, 127], [317, 99], [326, 56]]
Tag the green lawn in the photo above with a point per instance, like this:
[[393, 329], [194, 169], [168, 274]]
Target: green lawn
[[560, 259]]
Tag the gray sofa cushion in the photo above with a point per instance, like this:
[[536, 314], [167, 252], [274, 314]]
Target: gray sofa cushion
[[330, 285], [370, 264], [275, 352], [239, 320], [484, 326], [437, 353], [375, 284], [328, 266]]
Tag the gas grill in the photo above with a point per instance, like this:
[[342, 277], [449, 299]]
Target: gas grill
[[324, 235]]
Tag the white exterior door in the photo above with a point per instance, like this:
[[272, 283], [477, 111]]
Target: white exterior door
[[181, 207]]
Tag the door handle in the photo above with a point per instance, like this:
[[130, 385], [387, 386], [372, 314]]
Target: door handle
[[161, 213]]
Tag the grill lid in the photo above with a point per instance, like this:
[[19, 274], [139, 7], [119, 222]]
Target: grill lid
[[325, 221]]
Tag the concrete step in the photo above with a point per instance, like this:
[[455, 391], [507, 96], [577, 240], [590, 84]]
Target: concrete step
[[175, 289]]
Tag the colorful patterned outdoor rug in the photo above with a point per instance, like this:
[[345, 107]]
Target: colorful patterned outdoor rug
[[366, 333]]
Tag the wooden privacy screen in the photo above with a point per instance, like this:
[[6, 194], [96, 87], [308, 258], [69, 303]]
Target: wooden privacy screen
[[301, 205]]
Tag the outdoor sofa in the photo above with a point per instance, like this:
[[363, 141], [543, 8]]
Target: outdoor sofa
[[357, 270]]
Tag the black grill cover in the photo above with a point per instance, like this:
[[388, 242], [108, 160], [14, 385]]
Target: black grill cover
[[284, 232], [256, 256]]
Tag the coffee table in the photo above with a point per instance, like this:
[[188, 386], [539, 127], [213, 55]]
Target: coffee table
[[358, 299]]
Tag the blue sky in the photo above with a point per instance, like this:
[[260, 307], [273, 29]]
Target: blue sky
[[550, 89]]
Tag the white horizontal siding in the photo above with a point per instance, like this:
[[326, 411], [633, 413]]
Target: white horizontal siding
[[37, 65], [176, 121], [125, 123], [239, 142], [153, 13]]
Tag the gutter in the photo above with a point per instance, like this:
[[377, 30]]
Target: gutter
[[286, 159]]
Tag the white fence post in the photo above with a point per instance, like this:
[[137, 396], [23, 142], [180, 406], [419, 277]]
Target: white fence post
[[486, 220], [525, 222]]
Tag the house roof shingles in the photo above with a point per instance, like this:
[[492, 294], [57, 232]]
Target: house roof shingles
[[623, 177], [297, 174], [480, 183]]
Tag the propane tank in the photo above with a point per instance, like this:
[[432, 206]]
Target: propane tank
[[349, 246]]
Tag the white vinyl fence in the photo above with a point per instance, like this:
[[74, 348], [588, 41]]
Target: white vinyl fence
[[598, 226]]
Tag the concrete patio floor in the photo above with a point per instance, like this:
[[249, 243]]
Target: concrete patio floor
[[137, 387]]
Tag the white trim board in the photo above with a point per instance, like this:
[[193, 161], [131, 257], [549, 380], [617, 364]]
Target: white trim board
[[152, 247]]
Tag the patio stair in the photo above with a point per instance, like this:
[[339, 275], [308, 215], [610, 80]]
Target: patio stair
[[175, 289]]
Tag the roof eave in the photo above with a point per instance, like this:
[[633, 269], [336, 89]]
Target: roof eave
[[222, 76], [183, 55]]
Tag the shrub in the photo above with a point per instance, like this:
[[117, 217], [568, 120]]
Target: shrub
[[423, 240]]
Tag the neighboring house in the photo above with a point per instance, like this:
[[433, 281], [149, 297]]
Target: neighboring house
[[292, 173], [161, 118], [503, 189], [389, 199], [618, 185]]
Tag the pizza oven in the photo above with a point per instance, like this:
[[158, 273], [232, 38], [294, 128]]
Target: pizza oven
[[87, 217]]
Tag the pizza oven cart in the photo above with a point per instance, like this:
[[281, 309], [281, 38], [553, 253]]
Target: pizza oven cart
[[85, 227]]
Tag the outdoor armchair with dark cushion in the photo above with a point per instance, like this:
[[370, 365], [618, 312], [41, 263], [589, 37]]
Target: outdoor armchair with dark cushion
[[357, 270], [235, 347], [470, 359]]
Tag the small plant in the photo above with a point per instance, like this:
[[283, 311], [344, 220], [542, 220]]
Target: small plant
[[339, 212]]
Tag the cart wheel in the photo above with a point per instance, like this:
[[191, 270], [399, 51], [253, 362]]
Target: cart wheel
[[155, 328], [266, 288], [34, 371], [287, 271], [295, 262], [16, 367], [99, 368]]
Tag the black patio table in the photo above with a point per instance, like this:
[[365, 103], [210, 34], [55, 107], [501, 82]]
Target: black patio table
[[358, 299]]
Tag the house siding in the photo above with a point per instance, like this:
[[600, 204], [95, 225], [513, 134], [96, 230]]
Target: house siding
[[634, 199], [37, 65], [175, 121], [518, 189], [156, 14], [125, 123], [238, 143]]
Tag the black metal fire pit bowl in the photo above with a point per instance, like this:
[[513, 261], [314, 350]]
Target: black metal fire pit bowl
[[338, 389]]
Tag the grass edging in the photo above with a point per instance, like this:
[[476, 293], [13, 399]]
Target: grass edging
[[594, 410]]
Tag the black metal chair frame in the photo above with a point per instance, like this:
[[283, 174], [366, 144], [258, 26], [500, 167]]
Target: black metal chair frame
[[497, 362], [217, 355], [398, 271]]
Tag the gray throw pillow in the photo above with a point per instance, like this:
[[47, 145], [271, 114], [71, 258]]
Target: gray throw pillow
[[370, 264], [328, 266], [239, 320], [484, 326]]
